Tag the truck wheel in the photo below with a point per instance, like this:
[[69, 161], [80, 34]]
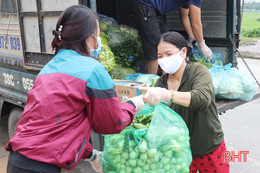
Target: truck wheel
[[14, 117]]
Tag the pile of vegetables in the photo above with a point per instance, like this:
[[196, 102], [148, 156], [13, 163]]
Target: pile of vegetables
[[106, 55], [120, 72], [163, 146], [123, 40], [230, 83]]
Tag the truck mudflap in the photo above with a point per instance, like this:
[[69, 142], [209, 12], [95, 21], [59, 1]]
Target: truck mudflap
[[224, 105]]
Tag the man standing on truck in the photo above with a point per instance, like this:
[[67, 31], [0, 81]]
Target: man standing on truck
[[148, 18]]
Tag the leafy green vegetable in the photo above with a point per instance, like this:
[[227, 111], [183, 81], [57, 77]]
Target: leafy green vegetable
[[119, 72], [107, 57], [203, 62], [143, 121]]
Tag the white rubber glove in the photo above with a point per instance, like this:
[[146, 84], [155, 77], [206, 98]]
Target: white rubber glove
[[205, 50], [96, 161], [138, 102], [155, 95]]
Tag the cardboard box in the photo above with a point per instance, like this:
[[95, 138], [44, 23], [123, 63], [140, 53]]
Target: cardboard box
[[128, 88]]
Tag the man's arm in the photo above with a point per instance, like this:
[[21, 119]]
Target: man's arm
[[196, 25], [184, 15]]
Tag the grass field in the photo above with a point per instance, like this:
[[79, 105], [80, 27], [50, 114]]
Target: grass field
[[250, 21]]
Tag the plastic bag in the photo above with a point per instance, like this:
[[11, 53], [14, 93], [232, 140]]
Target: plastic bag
[[230, 83], [164, 147], [217, 59], [105, 22], [197, 57], [148, 79], [107, 57], [123, 40]]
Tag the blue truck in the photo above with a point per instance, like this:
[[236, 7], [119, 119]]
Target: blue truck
[[25, 43]]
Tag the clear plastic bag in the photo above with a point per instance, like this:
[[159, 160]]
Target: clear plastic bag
[[164, 147], [148, 79], [230, 83], [196, 56]]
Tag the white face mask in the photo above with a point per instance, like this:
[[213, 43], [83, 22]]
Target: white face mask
[[171, 64]]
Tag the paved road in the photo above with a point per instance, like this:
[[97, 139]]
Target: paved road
[[241, 130]]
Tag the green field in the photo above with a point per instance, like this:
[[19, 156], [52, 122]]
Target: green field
[[250, 21]]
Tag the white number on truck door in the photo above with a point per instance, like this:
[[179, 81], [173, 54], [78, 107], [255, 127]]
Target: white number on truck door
[[8, 79], [27, 83]]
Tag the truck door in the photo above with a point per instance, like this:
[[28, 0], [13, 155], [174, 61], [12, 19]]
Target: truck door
[[37, 20]]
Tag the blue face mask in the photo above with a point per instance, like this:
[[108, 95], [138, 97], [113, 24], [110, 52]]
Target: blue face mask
[[95, 52]]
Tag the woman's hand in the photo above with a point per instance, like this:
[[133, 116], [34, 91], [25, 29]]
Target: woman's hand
[[154, 95], [137, 100], [96, 161]]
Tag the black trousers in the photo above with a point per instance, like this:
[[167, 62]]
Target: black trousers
[[150, 25], [12, 169], [18, 163]]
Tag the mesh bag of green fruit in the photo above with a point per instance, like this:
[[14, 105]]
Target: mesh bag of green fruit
[[157, 142]]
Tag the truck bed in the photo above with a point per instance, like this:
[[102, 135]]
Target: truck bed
[[224, 105]]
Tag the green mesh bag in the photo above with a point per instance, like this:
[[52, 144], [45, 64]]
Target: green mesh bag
[[163, 148]]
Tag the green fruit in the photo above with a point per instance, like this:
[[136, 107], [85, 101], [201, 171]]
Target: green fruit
[[155, 159], [174, 161], [133, 155], [137, 170], [152, 153], [167, 167], [122, 161], [178, 167], [165, 160], [122, 166], [103, 26], [153, 166], [149, 161], [143, 156], [160, 165], [168, 154], [146, 167], [132, 162], [125, 155], [143, 146], [140, 163], [128, 170], [117, 158]]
